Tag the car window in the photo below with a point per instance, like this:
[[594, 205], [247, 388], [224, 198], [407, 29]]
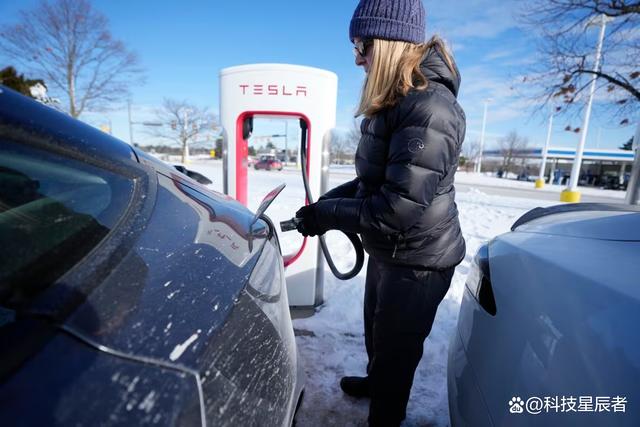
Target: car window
[[53, 211]]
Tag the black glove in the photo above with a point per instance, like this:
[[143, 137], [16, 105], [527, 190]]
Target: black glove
[[308, 226], [316, 218]]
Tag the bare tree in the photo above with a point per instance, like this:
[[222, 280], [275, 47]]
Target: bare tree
[[510, 147], [344, 144], [68, 43], [566, 53], [337, 147], [471, 153], [353, 136], [183, 123]]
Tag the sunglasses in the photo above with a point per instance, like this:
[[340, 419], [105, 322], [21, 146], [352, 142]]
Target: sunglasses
[[360, 47]]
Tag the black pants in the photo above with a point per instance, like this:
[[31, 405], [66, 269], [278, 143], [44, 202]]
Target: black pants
[[400, 304]]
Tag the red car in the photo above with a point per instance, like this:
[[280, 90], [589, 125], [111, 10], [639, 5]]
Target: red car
[[268, 163]]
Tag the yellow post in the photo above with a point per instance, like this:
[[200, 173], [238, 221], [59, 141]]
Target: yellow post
[[212, 153], [539, 183], [570, 196]]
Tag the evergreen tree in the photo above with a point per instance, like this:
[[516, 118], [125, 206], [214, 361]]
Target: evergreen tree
[[627, 145], [18, 82]]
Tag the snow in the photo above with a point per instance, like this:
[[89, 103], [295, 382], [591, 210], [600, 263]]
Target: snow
[[333, 345], [181, 348], [148, 402], [491, 180], [331, 342]]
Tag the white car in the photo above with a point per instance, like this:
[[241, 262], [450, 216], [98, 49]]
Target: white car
[[548, 327]]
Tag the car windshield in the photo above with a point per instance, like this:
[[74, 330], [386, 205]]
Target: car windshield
[[53, 211]]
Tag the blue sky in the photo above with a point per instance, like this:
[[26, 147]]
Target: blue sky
[[183, 45]]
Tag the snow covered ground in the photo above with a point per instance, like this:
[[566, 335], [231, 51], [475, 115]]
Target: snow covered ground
[[332, 342], [491, 180]]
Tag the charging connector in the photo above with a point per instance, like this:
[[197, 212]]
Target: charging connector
[[292, 223]]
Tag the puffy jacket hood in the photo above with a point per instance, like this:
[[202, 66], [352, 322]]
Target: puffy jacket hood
[[436, 70]]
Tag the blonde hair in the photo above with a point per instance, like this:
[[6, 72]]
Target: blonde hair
[[394, 71]]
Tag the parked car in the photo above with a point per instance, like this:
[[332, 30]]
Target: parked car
[[129, 293], [612, 182], [268, 163], [547, 330], [251, 161]]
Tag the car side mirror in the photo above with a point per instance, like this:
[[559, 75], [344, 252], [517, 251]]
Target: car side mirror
[[266, 202]]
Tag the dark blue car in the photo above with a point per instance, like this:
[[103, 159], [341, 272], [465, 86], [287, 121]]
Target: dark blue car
[[129, 293]]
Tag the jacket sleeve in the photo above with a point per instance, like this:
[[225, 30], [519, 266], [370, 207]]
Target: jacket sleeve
[[348, 189], [420, 154]]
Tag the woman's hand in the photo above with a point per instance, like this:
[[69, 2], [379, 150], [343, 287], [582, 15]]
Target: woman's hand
[[316, 218], [309, 226]]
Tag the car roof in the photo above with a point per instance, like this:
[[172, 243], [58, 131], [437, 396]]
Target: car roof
[[619, 222], [26, 119]]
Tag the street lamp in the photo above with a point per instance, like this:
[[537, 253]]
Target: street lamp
[[633, 189], [286, 142], [185, 129], [543, 165], [571, 194], [131, 123], [484, 125]]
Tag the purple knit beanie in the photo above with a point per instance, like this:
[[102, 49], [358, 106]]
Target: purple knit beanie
[[389, 20]]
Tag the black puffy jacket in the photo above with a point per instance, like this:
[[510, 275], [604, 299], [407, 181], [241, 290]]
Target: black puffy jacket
[[402, 201]]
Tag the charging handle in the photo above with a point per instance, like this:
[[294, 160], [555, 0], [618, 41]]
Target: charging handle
[[247, 127], [292, 223]]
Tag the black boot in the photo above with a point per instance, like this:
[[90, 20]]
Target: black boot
[[355, 386]]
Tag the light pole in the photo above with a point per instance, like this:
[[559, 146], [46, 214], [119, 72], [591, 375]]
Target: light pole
[[185, 132], [633, 190], [286, 140], [572, 194], [130, 123], [484, 125], [543, 165]]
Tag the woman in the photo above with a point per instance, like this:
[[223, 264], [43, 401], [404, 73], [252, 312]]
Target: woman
[[402, 201]]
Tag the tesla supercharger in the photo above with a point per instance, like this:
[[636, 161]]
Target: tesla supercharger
[[281, 91]]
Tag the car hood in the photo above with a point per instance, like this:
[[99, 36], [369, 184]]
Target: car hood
[[591, 224]]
